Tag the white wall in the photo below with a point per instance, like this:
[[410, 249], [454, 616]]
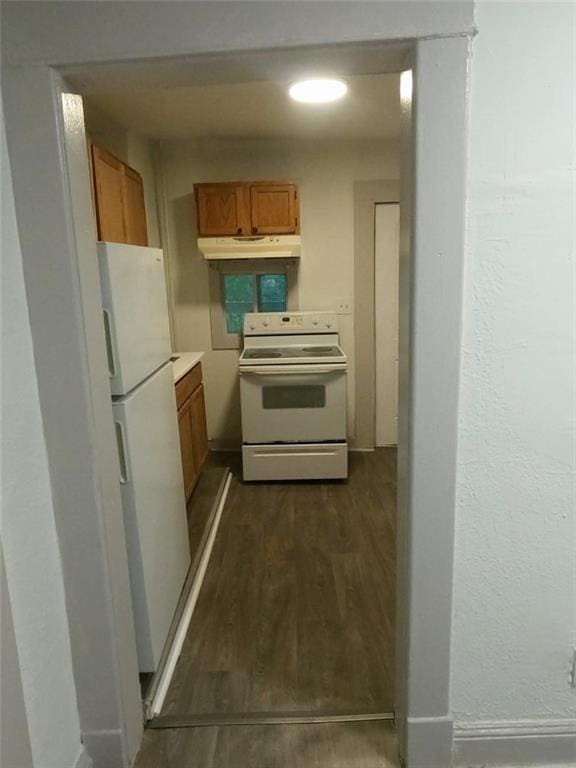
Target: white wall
[[135, 150], [515, 571], [32, 559], [15, 746], [325, 173]]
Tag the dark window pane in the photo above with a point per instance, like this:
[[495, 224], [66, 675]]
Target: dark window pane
[[272, 290], [238, 295], [294, 396]]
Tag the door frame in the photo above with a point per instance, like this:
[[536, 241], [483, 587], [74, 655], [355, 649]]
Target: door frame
[[45, 130]]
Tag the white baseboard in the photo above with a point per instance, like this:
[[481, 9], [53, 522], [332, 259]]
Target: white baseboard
[[524, 742], [155, 706], [429, 742], [83, 760], [104, 748]]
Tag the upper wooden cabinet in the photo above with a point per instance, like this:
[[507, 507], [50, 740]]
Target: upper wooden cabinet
[[273, 209], [108, 196], [223, 209], [118, 200], [134, 207], [247, 208]]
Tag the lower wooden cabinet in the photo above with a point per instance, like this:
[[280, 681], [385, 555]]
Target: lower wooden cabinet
[[189, 471], [199, 431], [192, 427]]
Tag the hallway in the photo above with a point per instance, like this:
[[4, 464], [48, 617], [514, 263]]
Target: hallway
[[296, 614]]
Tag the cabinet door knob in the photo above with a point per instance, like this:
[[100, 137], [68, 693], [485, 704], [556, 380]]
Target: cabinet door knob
[[254, 229], [239, 230]]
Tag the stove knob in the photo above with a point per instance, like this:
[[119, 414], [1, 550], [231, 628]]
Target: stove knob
[[265, 323], [328, 325], [251, 326], [314, 321]]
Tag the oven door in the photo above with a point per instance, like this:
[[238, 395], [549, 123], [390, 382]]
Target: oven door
[[293, 403]]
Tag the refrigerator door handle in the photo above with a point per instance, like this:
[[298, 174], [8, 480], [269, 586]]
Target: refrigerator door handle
[[109, 344], [121, 441]]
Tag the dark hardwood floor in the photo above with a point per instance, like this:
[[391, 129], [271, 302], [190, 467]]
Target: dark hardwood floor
[[341, 745], [296, 613], [201, 504], [296, 610]]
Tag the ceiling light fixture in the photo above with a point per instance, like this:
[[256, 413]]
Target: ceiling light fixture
[[318, 91]]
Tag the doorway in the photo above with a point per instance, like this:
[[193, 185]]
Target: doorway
[[424, 715], [295, 621]]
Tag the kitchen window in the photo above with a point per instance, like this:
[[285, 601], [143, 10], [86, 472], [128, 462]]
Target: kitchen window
[[264, 286]]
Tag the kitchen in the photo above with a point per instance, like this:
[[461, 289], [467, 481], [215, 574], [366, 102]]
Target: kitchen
[[318, 157]]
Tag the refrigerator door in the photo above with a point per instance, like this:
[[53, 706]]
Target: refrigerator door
[[154, 508], [135, 312]]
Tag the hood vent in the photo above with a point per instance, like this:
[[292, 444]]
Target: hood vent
[[254, 247]]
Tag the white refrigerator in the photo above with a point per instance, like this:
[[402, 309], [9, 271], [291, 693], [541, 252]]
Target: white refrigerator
[[146, 424]]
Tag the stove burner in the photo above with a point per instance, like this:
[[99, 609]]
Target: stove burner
[[263, 353], [319, 350]]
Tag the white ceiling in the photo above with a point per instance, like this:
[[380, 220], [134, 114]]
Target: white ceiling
[[370, 110]]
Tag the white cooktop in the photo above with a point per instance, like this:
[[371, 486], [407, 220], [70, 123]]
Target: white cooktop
[[291, 338], [292, 355]]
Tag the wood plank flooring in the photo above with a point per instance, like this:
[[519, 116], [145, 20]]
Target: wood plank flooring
[[199, 511], [297, 607], [200, 506], [296, 613], [341, 745]]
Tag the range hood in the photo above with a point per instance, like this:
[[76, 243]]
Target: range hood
[[253, 247]]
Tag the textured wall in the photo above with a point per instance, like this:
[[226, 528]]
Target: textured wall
[[515, 577]]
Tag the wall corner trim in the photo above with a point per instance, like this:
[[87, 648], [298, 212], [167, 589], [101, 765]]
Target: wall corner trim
[[83, 760], [429, 742], [530, 742]]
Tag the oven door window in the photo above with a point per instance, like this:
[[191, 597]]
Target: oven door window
[[281, 397]]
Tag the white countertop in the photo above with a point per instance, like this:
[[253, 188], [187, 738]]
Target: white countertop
[[185, 362]]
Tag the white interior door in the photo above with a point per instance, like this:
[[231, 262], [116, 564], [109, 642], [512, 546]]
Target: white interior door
[[386, 257]]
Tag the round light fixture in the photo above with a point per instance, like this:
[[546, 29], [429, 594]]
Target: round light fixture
[[318, 91]]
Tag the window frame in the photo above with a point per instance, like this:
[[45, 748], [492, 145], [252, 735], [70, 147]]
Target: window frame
[[221, 339]]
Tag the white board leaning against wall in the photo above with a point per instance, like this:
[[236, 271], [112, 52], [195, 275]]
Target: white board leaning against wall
[[386, 254]]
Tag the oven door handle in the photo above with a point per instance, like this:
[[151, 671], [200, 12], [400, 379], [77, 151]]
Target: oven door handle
[[292, 371]]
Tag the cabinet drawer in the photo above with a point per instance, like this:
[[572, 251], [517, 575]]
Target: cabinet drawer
[[188, 384]]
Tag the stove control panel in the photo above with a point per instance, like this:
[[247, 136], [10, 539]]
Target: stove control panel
[[274, 323]]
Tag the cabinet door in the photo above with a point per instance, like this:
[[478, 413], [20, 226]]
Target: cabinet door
[[189, 467], [199, 431], [134, 207], [109, 197], [274, 209], [222, 210]]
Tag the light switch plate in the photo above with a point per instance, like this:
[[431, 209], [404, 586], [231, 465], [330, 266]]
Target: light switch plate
[[344, 305]]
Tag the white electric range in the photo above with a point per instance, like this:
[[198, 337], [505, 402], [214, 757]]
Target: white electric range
[[293, 395]]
